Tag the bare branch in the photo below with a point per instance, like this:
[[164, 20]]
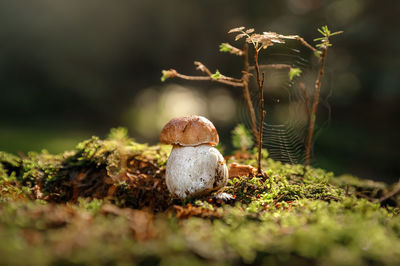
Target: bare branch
[[260, 83], [272, 66], [200, 66], [246, 92], [318, 83], [395, 190], [209, 78], [306, 44]]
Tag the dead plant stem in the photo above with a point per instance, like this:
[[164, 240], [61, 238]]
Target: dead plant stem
[[395, 190], [306, 44], [318, 83], [220, 80], [260, 84], [273, 66], [246, 93]]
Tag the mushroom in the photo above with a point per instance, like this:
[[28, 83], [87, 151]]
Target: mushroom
[[194, 167]]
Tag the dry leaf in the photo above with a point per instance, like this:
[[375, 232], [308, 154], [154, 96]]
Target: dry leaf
[[238, 29], [250, 31], [239, 36]]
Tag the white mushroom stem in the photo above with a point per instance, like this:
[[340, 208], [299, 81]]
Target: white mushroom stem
[[195, 171]]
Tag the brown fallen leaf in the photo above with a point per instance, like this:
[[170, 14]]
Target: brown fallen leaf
[[238, 170]]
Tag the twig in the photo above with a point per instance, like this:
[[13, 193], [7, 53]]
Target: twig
[[203, 68], [281, 196], [222, 79], [306, 44], [272, 66], [260, 83], [200, 66], [361, 195], [246, 93], [395, 190], [227, 82], [318, 83]]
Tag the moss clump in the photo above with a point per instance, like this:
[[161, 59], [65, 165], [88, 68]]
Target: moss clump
[[8, 163], [117, 168], [105, 202]]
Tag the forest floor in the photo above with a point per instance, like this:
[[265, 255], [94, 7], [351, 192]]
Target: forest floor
[[106, 203]]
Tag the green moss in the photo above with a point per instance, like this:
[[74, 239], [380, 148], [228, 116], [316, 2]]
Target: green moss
[[8, 163], [300, 216]]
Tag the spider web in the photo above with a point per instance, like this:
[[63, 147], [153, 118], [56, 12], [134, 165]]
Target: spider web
[[285, 126]]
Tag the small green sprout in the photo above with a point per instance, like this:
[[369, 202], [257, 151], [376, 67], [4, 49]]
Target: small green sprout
[[120, 133], [326, 33], [216, 75], [166, 74], [227, 48], [294, 72]]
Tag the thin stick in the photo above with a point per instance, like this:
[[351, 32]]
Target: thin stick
[[260, 83], [203, 68], [318, 83], [246, 93], [395, 190], [200, 66], [273, 66], [220, 80], [306, 44]]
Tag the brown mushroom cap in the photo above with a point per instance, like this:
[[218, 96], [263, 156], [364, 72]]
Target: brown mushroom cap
[[189, 131]]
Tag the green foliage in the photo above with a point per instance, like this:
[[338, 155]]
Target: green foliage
[[8, 161], [166, 74], [225, 47], [91, 205], [41, 166], [348, 232], [294, 72], [119, 134], [3, 172], [101, 158], [286, 183], [216, 75], [242, 138], [326, 33]]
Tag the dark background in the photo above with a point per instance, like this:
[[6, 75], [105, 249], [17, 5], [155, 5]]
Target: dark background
[[71, 69]]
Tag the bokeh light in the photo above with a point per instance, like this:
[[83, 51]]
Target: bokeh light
[[154, 107]]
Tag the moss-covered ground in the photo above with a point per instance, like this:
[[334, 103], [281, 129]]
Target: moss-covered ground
[[106, 203]]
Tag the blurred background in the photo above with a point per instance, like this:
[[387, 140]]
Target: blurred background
[[73, 69]]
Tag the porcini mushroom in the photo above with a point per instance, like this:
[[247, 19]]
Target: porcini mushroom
[[194, 167]]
